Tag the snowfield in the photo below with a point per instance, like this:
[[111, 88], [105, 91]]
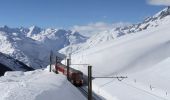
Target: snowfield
[[37, 85], [149, 84]]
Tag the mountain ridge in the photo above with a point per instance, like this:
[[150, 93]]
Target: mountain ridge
[[33, 45]]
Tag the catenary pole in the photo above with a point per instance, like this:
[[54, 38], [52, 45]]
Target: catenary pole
[[50, 60], [89, 82], [68, 67]]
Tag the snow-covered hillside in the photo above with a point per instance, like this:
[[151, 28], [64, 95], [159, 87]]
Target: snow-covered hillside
[[32, 46], [149, 23], [143, 57], [37, 85]]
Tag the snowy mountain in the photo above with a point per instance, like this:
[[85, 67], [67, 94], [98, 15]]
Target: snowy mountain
[[58, 38], [8, 63], [144, 57], [150, 23], [33, 45], [33, 30]]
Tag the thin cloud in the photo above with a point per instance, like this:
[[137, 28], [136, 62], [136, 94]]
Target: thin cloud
[[104, 16], [96, 27], [159, 2]]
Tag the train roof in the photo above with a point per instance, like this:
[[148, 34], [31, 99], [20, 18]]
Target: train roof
[[71, 69]]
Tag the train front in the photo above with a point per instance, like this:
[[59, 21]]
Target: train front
[[77, 78]]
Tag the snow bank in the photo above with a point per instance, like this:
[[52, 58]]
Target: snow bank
[[37, 85]]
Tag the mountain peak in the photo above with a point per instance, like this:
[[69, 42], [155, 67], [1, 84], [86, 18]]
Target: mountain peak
[[34, 30], [4, 28], [34, 27], [163, 13]]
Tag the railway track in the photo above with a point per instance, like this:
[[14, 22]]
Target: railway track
[[83, 90]]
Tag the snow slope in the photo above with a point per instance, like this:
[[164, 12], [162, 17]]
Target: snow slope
[[37, 85], [148, 84], [126, 50], [143, 57]]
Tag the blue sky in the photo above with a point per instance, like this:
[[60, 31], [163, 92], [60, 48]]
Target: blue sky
[[67, 13]]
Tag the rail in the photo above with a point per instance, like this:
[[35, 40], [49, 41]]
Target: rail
[[83, 90]]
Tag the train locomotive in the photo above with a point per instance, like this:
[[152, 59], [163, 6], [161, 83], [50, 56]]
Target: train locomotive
[[75, 76]]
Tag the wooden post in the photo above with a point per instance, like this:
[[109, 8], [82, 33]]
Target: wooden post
[[68, 65], [89, 82]]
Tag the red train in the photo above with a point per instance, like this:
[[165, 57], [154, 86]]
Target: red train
[[75, 76]]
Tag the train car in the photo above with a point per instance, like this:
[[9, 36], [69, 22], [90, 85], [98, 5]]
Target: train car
[[75, 76]]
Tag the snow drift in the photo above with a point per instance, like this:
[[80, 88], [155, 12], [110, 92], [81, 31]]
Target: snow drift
[[37, 85]]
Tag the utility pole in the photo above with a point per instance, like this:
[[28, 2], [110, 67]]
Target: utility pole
[[56, 62], [68, 67], [89, 82], [50, 59]]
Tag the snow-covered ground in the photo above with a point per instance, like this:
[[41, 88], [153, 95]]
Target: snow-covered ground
[[149, 84], [37, 85], [143, 57]]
